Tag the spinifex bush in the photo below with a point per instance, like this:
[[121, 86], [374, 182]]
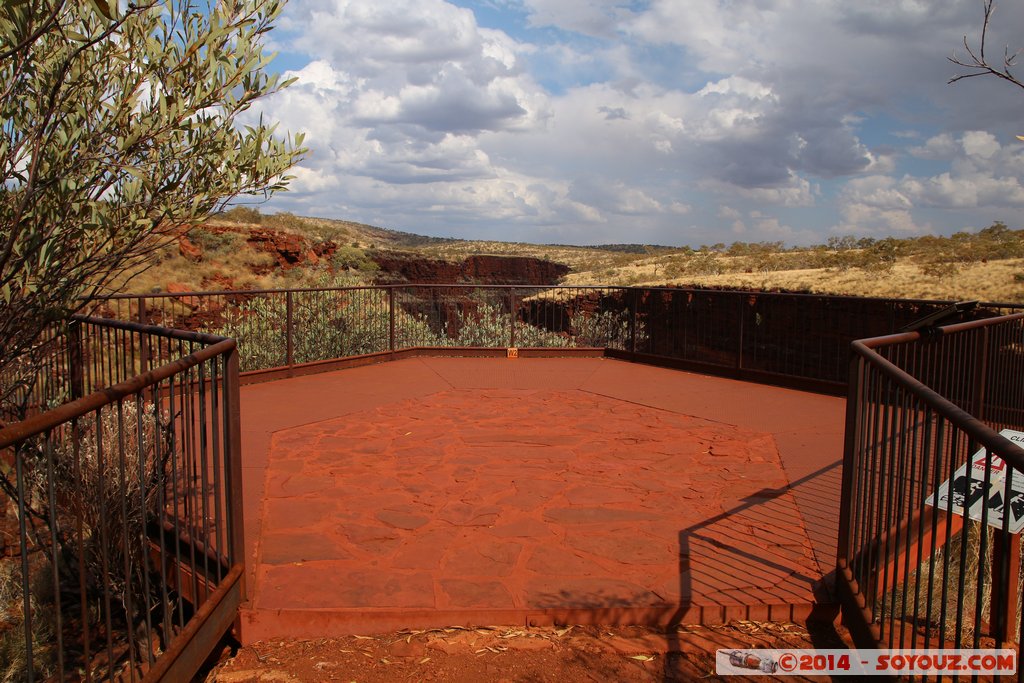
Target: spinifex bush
[[932, 589], [14, 655]]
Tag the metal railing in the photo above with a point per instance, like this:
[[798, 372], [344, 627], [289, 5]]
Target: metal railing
[[129, 541], [933, 494], [121, 507], [797, 339]]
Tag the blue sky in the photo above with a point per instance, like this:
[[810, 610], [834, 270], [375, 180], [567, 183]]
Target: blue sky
[[657, 121]]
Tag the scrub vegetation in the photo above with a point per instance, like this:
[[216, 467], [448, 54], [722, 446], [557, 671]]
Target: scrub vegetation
[[986, 265]]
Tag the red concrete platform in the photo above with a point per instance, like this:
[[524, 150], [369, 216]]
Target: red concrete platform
[[438, 491]]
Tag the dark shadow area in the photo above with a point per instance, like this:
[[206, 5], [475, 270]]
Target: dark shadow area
[[736, 561]]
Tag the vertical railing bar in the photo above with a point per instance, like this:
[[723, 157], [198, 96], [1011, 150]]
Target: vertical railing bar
[[161, 504], [289, 355], [140, 412], [175, 416], [926, 467], [983, 531], [191, 497], [55, 562], [123, 495], [76, 456], [865, 471], [739, 336], [962, 569], [75, 360], [847, 501], [232, 453], [948, 453], [217, 386], [858, 470], [875, 521], [26, 576], [1002, 597], [913, 501], [204, 511], [886, 518], [104, 541]]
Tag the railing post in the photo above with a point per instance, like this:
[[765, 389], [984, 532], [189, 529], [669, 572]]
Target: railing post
[[76, 360], [1005, 570], [143, 339], [289, 341], [391, 318], [233, 462], [1005, 546], [633, 302], [512, 316], [853, 405], [739, 335]]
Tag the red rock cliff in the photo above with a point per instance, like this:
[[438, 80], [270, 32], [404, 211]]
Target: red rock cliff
[[487, 270]]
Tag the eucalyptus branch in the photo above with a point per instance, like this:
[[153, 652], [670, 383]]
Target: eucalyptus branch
[[116, 132]]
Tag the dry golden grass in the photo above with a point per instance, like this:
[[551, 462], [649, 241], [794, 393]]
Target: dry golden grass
[[577, 258], [171, 267], [992, 281]]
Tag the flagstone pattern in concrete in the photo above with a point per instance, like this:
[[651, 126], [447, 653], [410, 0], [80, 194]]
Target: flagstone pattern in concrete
[[524, 490]]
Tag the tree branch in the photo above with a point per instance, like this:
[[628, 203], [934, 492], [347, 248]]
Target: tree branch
[[978, 64]]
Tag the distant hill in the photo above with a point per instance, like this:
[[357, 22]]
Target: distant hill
[[243, 249]]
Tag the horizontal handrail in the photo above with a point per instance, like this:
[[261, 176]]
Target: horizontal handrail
[[972, 426], [42, 422], [464, 285], [905, 337], [150, 330]]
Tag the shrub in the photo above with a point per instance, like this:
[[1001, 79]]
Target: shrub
[[283, 220], [217, 242], [703, 263], [606, 329], [882, 255], [352, 258], [242, 214]]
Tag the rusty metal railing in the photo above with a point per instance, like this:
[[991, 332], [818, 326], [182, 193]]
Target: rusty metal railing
[[797, 339], [933, 493], [123, 554]]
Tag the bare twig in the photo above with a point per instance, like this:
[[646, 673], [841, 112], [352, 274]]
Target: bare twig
[[977, 63]]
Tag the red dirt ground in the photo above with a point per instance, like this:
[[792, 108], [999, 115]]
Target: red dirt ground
[[458, 655]]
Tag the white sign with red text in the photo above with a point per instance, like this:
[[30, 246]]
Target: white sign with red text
[[969, 493]]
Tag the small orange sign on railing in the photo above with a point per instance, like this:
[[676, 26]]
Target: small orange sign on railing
[[513, 352]]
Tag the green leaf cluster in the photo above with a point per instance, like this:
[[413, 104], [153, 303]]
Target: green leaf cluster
[[121, 126]]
